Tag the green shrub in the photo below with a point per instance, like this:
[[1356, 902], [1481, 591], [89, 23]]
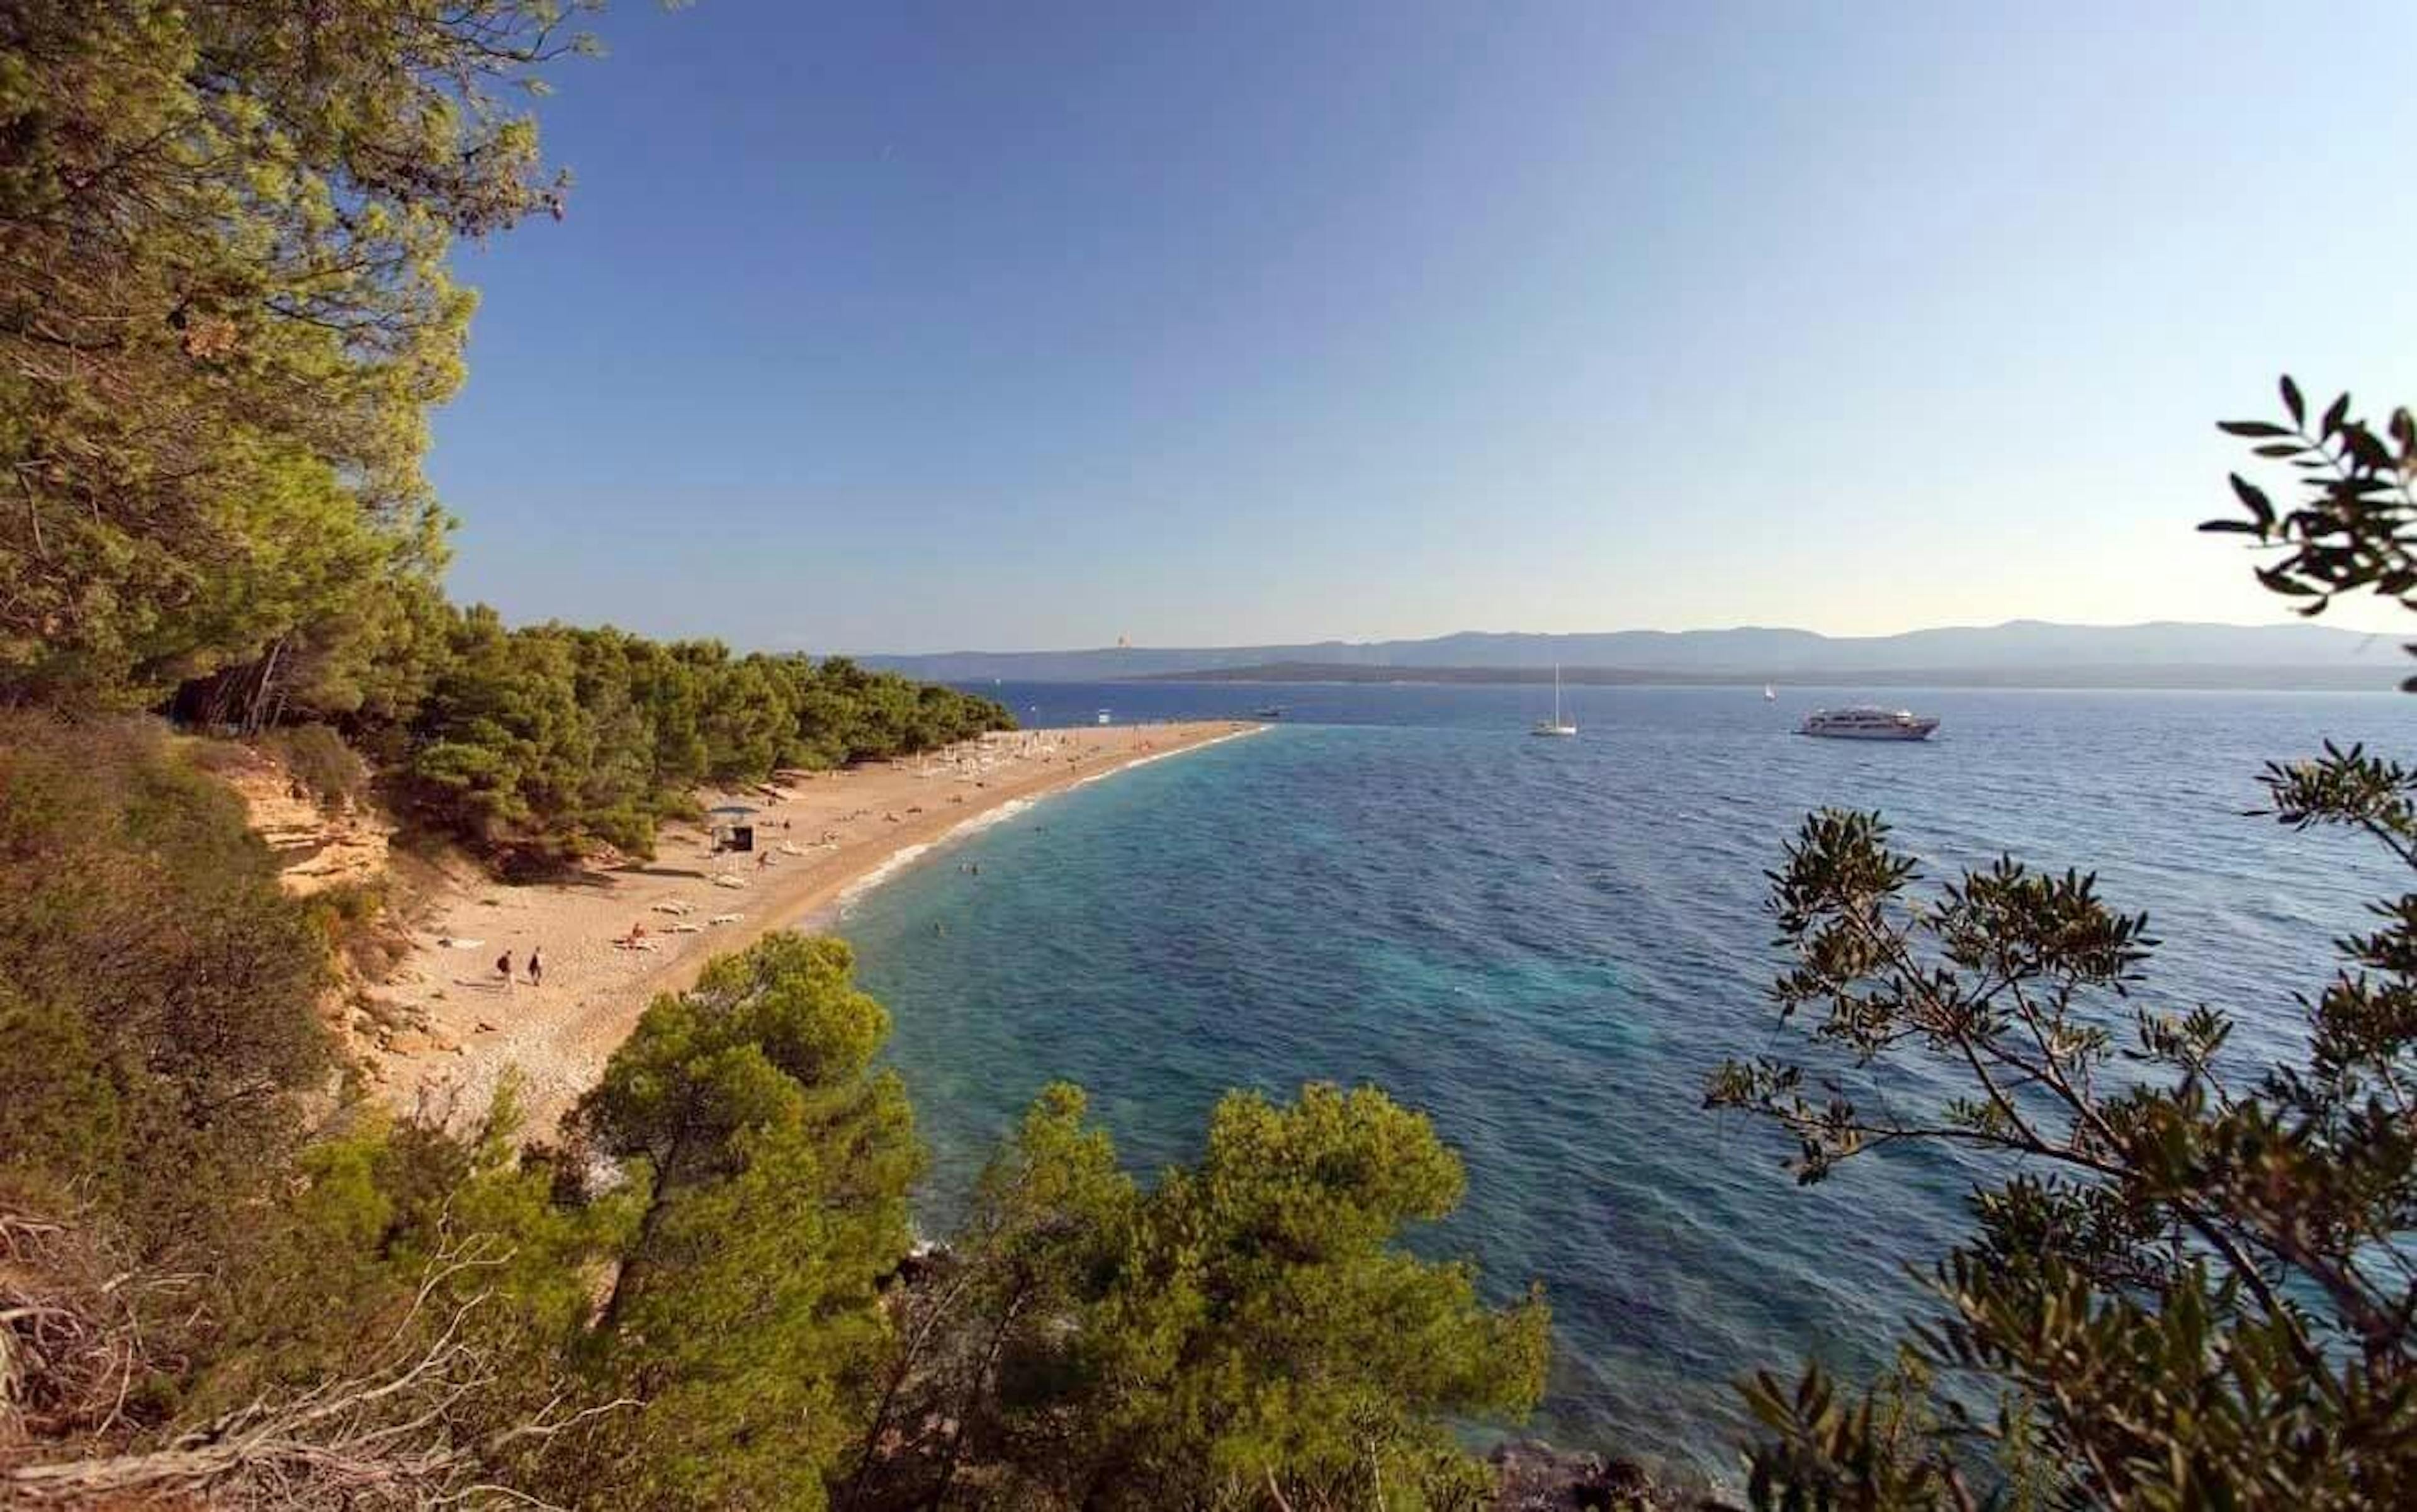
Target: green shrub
[[327, 769], [145, 937]]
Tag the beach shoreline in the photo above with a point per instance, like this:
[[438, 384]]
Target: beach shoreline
[[613, 938]]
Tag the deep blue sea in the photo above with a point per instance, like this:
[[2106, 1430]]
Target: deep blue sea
[[1546, 945]]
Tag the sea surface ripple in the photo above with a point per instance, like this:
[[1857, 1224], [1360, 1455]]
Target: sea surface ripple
[[1547, 944]]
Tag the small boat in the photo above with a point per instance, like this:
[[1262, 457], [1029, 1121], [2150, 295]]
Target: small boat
[[1868, 723], [1555, 726], [1103, 716], [1769, 695], [1270, 711]]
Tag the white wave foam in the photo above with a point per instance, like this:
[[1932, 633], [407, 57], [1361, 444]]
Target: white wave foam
[[989, 817], [890, 867], [1161, 755], [905, 856]]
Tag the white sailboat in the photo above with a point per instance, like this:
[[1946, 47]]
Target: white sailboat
[[1770, 693], [1557, 726]]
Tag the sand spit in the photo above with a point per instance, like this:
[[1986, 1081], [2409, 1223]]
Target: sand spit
[[611, 940]]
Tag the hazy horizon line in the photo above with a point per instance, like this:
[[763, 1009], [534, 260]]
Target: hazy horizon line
[[2287, 623]]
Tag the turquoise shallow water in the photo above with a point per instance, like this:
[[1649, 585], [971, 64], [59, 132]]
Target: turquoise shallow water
[[1546, 945]]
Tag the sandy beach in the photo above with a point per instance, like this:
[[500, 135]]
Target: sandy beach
[[613, 939]]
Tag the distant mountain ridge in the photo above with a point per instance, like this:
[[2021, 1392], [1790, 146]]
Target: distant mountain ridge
[[2343, 678], [2158, 653]]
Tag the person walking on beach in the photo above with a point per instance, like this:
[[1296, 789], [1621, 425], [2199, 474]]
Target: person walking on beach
[[536, 968], [504, 969]]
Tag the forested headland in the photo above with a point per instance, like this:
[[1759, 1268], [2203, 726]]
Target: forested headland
[[221, 1278], [227, 1278]]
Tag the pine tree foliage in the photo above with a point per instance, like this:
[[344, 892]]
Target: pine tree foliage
[[1246, 1333], [226, 312], [776, 1162], [223, 312], [536, 746]]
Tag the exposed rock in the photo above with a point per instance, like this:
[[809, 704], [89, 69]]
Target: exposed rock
[[320, 847], [410, 1043], [924, 1261], [317, 848], [1534, 1476]]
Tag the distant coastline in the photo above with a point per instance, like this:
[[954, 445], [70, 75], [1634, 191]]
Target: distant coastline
[[2020, 653], [2234, 678]]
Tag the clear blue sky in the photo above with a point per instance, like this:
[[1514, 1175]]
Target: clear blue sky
[[906, 327]]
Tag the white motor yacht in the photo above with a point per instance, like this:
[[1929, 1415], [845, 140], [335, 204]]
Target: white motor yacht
[[1868, 723]]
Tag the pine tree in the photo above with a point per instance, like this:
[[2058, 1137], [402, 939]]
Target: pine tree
[[2190, 1283], [776, 1162], [225, 226], [1247, 1332]]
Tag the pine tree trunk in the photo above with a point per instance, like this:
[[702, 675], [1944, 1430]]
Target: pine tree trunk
[[981, 1378], [267, 680], [625, 1277]]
